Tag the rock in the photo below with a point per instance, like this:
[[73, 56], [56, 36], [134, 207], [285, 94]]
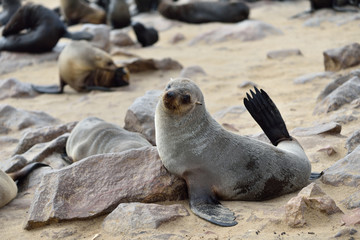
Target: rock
[[353, 141], [329, 150], [140, 65], [41, 135], [140, 115], [352, 218], [178, 37], [345, 171], [101, 34], [133, 216], [120, 38], [17, 119], [247, 84], [284, 53], [33, 179], [311, 77], [10, 61], [323, 128], [234, 110], [310, 197], [192, 71], [13, 88], [342, 95], [345, 232], [248, 30], [343, 119], [100, 184], [36, 153], [342, 58], [353, 201]]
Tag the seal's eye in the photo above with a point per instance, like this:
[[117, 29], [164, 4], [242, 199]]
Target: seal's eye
[[168, 87], [186, 99]]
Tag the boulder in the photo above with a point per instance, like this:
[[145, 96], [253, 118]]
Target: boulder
[[342, 58], [13, 88]]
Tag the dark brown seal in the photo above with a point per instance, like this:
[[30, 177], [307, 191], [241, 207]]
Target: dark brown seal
[[146, 36], [85, 68], [117, 14], [42, 27], [204, 11], [9, 8]]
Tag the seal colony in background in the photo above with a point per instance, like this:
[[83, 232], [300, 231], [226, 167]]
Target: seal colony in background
[[219, 165]]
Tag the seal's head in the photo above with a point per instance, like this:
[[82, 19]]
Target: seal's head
[[181, 95]]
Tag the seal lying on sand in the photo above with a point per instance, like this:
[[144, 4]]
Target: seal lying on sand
[[8, 188], [146, 36], [85, 68], [9, 8], [43, 30], [204, 11], [217, 164], [79, 11], [93, 136]]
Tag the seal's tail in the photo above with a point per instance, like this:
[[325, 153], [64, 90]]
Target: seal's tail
[[266, 114]]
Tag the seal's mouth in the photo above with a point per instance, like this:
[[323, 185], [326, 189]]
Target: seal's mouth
[[178, 101], [170, 100]]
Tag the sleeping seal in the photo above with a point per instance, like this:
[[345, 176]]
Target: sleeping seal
[[8, 188], [220, 165], [93, 136], [9, 8], [42, 27], [85, 68]]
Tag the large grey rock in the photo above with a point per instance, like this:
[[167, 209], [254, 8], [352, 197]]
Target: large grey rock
[[353, 141], [17, 119], [101, 33], [342, 58], [323, 128], [345, 171], [248, 30], [132, 216], [37, 153], [344, 94], [100, 184], [40, 135], [10, 61], [13, 88], [140, 115], [141, 65]]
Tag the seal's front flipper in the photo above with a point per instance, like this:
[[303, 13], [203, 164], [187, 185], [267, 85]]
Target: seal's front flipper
[[52, 89], [81, 35], [315, 175], [267, 115]]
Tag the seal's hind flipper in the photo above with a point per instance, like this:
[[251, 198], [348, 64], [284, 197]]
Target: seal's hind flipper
[[52, 89], [214, 213], [267, 115], [315, 175]]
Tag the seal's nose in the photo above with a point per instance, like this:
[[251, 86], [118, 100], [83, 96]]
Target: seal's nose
[[170, 95]]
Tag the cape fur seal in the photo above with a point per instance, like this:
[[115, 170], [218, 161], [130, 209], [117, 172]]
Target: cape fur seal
[[217, 164], [85, 68], [43, 30], [79, 11], [93, 136], [146, 36], [9, 8], [118, 14], [204, 11], [8, 188]]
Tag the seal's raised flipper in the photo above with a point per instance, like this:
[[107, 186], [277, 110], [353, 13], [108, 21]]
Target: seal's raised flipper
[[267, 115], [315, 175], [52, 89], [204, 204]]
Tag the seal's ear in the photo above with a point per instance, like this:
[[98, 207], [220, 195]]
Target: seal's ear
[[198, 103]]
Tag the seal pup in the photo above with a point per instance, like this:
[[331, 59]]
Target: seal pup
[[8, 187], [93, 136], [43, 30], [219, 165], [204, 11], [79, 11], [86, 68], [118, 14], [146, 36], [9, 8]]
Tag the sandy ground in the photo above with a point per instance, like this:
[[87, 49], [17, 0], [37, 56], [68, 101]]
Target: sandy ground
[[227, 65]]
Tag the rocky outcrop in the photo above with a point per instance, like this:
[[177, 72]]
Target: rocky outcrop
[[342, 58]]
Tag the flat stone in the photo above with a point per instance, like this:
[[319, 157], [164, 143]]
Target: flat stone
[[284, 53], [324, 128]]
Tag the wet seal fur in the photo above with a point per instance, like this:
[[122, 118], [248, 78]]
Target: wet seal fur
[[86, 68], [9, 8], [93, 136], [204, 11], [8, 187], [43, 30], [220, 165]]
